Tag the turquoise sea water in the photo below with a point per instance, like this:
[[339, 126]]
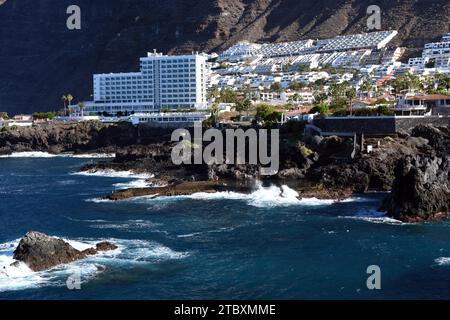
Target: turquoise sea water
[[222, 246]]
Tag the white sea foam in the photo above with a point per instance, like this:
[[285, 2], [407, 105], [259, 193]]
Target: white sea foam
[[94, 155], [21, 277], [98, 200], [114, 174], [39, 154], [262, 197], [138, 183], [442, 261], [129, 225], [374, 216]]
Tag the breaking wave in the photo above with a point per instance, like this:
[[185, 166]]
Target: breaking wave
[[262, 197], [129, 253], [39, 154], [115, 174], [442, 261]]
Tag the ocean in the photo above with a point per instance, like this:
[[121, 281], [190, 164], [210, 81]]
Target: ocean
[[210, 246]]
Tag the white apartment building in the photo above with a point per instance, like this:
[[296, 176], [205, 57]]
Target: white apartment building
[[372, 40], [438, 52], [163, 82]]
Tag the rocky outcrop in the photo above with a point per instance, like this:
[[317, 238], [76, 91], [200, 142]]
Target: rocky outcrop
[[91, 136], [41, 252], [421, 188], [180, 189]]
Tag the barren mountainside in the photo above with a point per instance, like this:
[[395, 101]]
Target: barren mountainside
[[40, 59]]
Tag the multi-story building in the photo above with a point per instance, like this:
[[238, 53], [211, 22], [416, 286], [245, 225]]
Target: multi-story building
[[163, 82], [436, 53]]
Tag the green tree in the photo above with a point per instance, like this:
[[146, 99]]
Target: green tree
[[320, 97], [243, 105], [366, 86], [44, 115], [303, 68], [214, 116], [351, 94], [214, 93], [227, 96], [384, 110], [64, 99], [321, 108], [276, 87], [81, 106], [296, 86], [69, 99], [430, 64], [441, 81], [267, 115], [406, 82]]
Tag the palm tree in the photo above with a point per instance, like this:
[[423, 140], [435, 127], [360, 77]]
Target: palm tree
[[81, 106], [215, 110], [351, 93], [69, 98], [64, 99], [214, 93]]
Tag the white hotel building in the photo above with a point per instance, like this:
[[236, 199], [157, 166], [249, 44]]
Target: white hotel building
[[164, 82]]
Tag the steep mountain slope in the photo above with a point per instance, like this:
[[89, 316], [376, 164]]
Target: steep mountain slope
[[40, 59]]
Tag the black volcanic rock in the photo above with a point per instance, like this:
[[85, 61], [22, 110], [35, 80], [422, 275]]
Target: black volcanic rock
[[40, 59], [421, 189], [41, 252], [77, 137]]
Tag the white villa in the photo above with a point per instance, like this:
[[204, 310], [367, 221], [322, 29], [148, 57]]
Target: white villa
[[420, 104]]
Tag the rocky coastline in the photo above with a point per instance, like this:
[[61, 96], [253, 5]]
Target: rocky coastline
[[41, 252], [411, 167]]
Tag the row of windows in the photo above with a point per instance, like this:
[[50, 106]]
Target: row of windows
[[122, 89], [177, 71], [166, 119], [115, 97], [172, 61], [173, 66], [185, 86], [181, 77], [177, 100], [128, 99], [123, 83], [119, 78], [177, 91], [147, 79], [103, 108]]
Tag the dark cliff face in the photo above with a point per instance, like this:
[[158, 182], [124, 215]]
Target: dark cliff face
[[40, 59]]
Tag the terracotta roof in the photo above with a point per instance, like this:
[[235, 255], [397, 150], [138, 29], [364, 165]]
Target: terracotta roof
[[366, 100]]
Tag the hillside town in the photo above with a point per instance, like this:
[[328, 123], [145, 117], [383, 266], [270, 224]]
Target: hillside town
[[349, 76]]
